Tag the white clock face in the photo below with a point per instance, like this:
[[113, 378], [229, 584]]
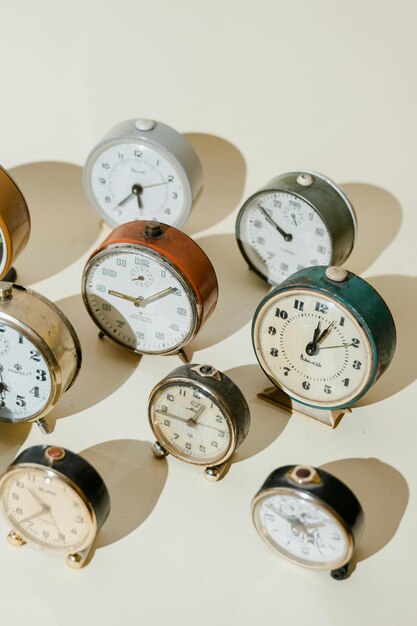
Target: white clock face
[[45, 510], [25, 378], [139, 300], [281, 234], [190, 424], [302, 529], [313, 347], [135, 181]]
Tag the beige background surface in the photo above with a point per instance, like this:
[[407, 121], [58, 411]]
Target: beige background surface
[[259, 88]]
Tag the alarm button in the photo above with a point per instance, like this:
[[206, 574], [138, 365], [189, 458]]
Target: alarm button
[[145, 125]]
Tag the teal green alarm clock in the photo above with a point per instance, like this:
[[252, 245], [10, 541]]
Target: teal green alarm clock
[[324, 337]]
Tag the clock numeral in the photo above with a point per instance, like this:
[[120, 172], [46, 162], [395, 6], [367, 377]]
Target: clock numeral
[[101, 288], [163, 273], [319, 232], [170, 179], [106, 307], [138, 154], [188, 446], [281, 313], [121, 262], [61, 537], [20, 401], [321, 249], [160, 335], [41, 375], [79, 519], [21, 338], [260, 240], [272, 330], [355, 343], [311, 216], [20, 484], [107, 272], [183, 392], [258, 224], [346, 382], [105, 166], [34, 356], [176, 436], [306, 385], [273, 352], [277, 204], [35, 392], [283, 267], [219, 419], [314, 262], [221, 433], [342, 321], [167, 423], [170, 397], [202, 448], [174, 327], [174, 195], [287, 370], [167, 211], [299, 305], [214, 444], [327, 389], [181, 311], [15, 496], [321, 308], [196, 395], [120, 155], [357, 365], [19, 511], [102, 181], [120, 323]]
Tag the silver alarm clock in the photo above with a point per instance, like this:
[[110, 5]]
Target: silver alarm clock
[[143, 170]]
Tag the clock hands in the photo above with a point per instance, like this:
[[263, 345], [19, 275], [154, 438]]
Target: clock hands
[[287, 236], [312, 346], [137, 191], [187, 421], [140, 301], [192, 421]]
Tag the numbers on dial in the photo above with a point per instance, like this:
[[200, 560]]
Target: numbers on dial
[[45, 510], [305, 239], [22, 369], [153, 315], [302, 530], [191, 424], [310, 353], [132, 182]]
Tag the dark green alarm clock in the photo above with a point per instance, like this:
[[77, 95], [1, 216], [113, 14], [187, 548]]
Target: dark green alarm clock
[[324, 337]]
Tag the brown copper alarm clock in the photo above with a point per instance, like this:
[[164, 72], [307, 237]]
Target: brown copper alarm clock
[[149, 287], [14, 223]]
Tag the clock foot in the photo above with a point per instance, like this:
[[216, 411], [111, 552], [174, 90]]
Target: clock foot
[[184, 356], [43, 425], [341, 573], [101, 335], [159, 451], [217, 472], [14, 539], [277, 397], [77, 560], [11, 276]]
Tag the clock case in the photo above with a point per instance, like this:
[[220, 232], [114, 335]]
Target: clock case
[[81, 476], [168, 141], [225, 394], [372, 314], [182, 254], [46, 326], [14, 222], [325, 198], [332, 493]]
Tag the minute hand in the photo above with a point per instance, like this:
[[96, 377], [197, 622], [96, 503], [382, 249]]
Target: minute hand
[[287, 236], [156, 296]]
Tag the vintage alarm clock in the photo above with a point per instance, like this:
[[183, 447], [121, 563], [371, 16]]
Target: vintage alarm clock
[[14, 224], [40, 355], [56, 500], [143, 170], [150, 288], [310, 517], [296, 220], [324, 337], [199, 416]]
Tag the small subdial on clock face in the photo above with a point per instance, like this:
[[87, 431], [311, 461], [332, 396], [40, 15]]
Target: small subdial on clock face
[[314, 348], [191, 424], [46, 510], [135, 182], [25, 379], [157, 316], [302, 530], [282, 233]]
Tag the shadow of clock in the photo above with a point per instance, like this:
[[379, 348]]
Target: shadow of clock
[[240, 291], [62, 221], [105, 366], [135, 480], [12, 437], [383, 494], [400, 294], [379, 219], [224, 180], [267, 421]]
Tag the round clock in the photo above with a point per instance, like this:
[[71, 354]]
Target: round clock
[[297, 220], [324, 337], [14, 223], [141, 170], [149, 287], [310, 517], [199, 416], [40, 355], [54, 499]]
